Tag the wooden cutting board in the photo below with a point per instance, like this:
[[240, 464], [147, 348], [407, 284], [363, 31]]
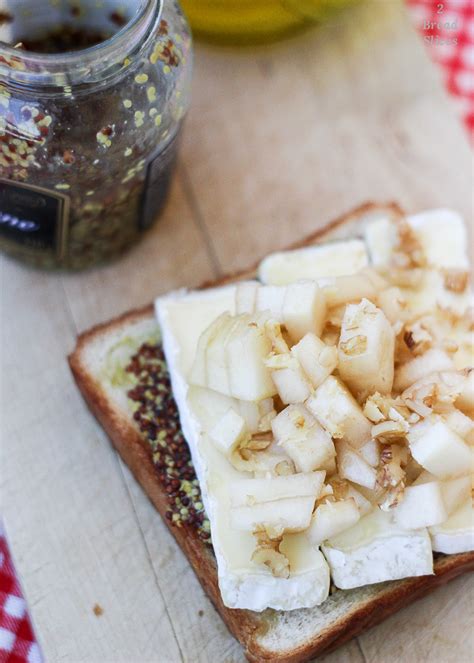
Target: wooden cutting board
[[279, 140]]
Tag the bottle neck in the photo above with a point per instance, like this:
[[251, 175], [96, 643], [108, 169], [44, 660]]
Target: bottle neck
[[89, 67]]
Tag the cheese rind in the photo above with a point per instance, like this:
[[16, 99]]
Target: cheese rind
[[376, 550]]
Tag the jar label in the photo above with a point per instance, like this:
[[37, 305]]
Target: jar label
[[157, 182], [33, 220]]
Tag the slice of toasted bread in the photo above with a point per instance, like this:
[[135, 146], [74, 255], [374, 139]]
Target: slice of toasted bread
[[292, 636]]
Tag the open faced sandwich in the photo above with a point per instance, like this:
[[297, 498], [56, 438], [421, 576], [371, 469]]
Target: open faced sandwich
[[306, 429], [328, 411]]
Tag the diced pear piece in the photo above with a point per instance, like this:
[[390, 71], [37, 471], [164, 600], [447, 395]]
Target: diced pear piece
[[209, 406], [422, 505], [393, 304], [267, 412], [250, 413], [257, 415], [366, 350], [455, 492], [304, 309], [246, 297], [353, 467], [228, 432], [292, 514], [461, 424], [331, 519], [198, 373], [216, 360], [292, 423], [344, 289], [264, 463], [305, 442], [339, 413], [370, 452], [363, 504], [289, 379], [312, 452], [248, 346], [251, 491], [270, 298], [456, 534], [431, 361], [439, 449], [291, 385], [317, 359]]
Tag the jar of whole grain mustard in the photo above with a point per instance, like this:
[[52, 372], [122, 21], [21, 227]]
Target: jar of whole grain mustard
[[92, 100]]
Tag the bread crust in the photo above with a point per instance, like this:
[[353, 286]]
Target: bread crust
[[245, 625]]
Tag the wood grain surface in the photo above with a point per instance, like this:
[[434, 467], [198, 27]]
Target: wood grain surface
[[279, 140]]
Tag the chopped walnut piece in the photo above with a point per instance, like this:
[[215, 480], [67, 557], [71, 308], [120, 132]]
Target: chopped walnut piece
[[380, 408], [285, 467], [268, 537], [258, 445], [373, 412], [419, 408], [417, 338], [246, 460], [258, 442], [386, 431], [356, 345], [409, 251], [276, 561], [335, 315], [406, 278], [436, 392], [456, 280], [393, 304], [391, 475], [274, 332], [268, 552], [450, 346]]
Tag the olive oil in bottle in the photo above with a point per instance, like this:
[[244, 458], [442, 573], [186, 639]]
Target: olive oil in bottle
[[253, 21]]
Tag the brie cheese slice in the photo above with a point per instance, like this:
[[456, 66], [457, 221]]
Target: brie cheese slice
[[455, 535], [376, 549], [340, 258], [243, 583]]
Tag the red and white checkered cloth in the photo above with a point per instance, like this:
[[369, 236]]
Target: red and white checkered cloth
[[447, 29], [17, 640]]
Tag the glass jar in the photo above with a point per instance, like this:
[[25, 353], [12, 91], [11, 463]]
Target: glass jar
[[92, 100]]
